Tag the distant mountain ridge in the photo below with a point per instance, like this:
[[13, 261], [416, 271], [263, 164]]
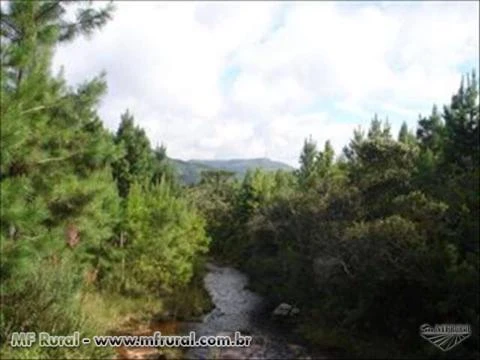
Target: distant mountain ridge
[[190, 171]]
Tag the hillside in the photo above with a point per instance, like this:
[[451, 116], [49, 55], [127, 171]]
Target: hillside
[[190, 171]]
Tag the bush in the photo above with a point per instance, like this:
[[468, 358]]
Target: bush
[[164, 235], [47, 298]]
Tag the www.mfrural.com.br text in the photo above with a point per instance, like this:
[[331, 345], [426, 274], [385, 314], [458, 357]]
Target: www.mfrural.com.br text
[[44, 339]]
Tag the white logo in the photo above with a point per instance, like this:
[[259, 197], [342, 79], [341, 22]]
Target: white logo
[[445, 336]]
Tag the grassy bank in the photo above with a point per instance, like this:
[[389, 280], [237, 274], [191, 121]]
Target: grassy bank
[[107, 313]]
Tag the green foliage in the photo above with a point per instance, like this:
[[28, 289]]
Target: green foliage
[[406, 136], [30, 30], [462, 126], [257, 189], [59, 204], [431, 131], [379, 129], [55, 173], [190, 172], [42, 300], [137, 163], [215, 198], [162, 168], [457, 167], [308, 163], [64, 228], [163, 238], [374, 244], [46, 297]]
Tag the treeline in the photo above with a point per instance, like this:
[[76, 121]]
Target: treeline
[[82, 209], [370, 244]]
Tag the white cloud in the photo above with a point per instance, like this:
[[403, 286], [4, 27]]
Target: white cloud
[[287, 133], [167, 63], [278, 93]]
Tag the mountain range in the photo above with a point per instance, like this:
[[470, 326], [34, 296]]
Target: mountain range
[[190, 171]]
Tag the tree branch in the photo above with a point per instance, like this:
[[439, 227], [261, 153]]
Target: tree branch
[[345, 268], [61, 158]]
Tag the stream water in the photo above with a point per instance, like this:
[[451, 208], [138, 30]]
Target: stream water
[[239, 309], [236, 309]]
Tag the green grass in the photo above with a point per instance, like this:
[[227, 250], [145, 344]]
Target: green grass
[[109, 311]]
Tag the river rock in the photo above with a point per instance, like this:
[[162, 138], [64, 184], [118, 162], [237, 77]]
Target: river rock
[[243, 311], [282, 310], [294, 311], [285, 309]]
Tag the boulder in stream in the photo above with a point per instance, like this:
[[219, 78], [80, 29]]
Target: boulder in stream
[[284, 310]]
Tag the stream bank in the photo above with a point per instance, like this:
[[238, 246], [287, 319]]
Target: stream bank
[[236, 308]]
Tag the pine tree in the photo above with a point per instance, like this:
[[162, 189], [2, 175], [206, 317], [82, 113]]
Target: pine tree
[[351, 149], [325, 159], [403, 133], [375, 129], [458, 168], [164, 237], [59, 204], [431, 131], [379, 129], [308, 163], [137, 163], [462, 125], [30, 29], [162, 168], [53, 138], [405, 136], [386, 132]]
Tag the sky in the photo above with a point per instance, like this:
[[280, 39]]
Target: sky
[[220, 80]]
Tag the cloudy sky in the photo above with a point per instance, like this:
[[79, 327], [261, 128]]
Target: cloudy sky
[[253, 79]]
